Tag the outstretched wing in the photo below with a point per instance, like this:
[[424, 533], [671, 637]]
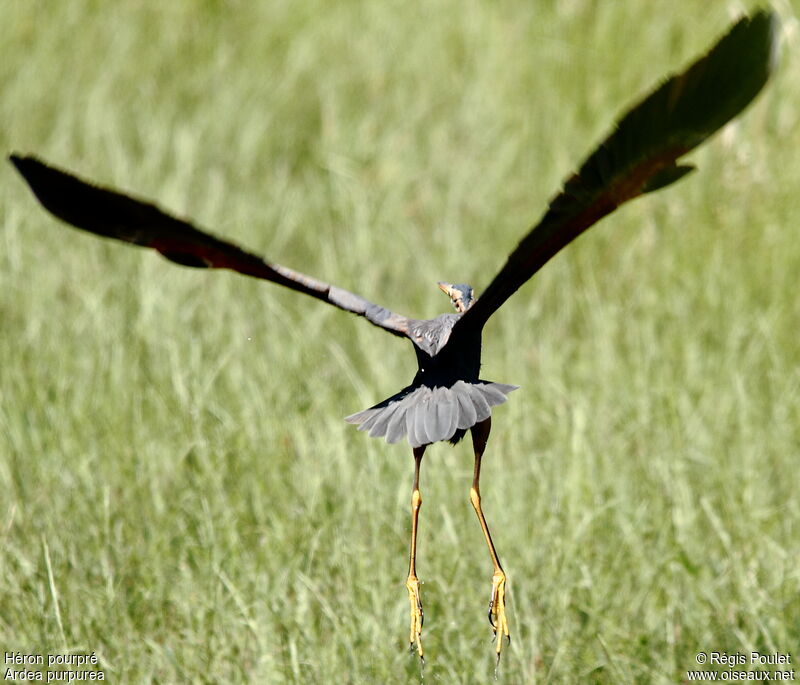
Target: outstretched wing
[[115, 215], [640, 155]]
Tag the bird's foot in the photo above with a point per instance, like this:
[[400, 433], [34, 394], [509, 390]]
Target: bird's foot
[[417, 616], [497, 611]]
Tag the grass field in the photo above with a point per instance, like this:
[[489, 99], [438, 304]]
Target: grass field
[[178, 492]]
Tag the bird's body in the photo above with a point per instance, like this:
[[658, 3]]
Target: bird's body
[[446, 397]]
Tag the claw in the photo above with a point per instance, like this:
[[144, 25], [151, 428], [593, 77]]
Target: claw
[[497, 611], [417, 616]]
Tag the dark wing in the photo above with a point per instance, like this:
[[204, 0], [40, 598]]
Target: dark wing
[[114, 215], [640, 155]]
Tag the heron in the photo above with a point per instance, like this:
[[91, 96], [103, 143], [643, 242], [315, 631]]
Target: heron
[[447, 397]]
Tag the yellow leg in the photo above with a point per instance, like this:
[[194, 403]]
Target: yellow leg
[[497, 604], [412, 582]]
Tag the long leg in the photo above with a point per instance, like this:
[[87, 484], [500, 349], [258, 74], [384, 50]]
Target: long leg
[[497, 604], [412, 582]]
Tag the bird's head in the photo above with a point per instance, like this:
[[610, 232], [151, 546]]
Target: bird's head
[[460, 295]]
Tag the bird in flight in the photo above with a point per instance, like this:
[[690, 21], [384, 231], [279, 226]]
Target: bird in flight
[[447, 397]]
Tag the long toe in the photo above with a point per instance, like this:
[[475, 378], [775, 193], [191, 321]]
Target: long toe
[[497, 611], [417, 616]]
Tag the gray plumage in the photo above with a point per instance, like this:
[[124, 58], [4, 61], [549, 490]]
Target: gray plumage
[[425, 415]]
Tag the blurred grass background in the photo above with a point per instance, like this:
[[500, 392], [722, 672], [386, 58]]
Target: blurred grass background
[[180, 494]]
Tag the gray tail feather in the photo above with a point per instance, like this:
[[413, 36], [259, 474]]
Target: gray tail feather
[[426, 415]]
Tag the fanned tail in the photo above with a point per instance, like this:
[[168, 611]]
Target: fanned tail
[[425, 415]]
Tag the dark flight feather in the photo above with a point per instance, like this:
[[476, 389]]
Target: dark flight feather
[[111, 214], [640, 155]]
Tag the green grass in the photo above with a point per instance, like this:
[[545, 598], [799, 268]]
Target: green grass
[[180, 494]]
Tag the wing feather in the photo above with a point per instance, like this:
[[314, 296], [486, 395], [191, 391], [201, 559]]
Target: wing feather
[[641, 153], [112, 214]]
